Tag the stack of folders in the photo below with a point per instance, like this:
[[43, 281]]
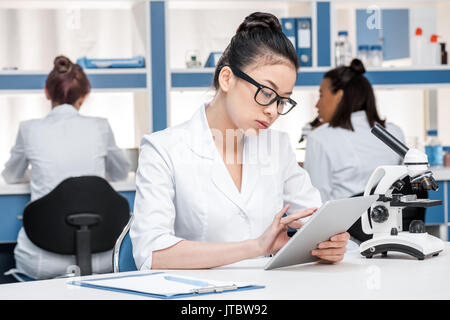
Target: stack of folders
[[163, 285]]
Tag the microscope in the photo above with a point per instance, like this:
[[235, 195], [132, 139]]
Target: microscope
[[384, 218]]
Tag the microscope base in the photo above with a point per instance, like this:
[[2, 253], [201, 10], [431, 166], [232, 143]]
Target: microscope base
[[419, 246]]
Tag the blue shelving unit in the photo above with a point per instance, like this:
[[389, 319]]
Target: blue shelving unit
[[311, 77], [158, 81], [22, 81]]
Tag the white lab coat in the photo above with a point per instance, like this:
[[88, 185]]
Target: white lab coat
[[340, 161], [61, 145], [184, 190]]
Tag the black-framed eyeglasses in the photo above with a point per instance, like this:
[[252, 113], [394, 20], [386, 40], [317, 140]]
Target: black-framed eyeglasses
[[265, 96]]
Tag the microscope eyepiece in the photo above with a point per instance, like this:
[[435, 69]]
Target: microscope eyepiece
[[391, 141]]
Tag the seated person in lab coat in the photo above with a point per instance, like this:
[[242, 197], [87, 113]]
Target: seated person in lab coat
[[342, 153], [61, 145], [213, 190]]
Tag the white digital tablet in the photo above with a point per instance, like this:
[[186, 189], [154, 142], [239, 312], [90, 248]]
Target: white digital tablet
[[334, 217]]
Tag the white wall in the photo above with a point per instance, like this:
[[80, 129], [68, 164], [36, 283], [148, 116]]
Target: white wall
[[206, 26]]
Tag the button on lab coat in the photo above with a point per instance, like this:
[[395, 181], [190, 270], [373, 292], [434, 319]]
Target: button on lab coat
[[61, 145], [340, 161], [184, 190]]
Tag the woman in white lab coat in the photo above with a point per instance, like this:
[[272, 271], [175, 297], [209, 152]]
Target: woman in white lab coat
[[213, 190], [342, 153], [59, 146]]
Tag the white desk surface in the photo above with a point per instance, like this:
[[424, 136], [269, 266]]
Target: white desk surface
[[397, 276], [24, 188]]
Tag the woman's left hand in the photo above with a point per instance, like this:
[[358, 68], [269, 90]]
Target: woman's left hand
[[332, 251]]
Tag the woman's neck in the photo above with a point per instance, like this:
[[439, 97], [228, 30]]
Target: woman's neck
[[227, 136]]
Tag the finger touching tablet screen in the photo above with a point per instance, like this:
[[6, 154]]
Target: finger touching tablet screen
[[334, 217]]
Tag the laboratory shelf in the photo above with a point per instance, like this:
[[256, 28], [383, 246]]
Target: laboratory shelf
[[101, 80], [311, 77]]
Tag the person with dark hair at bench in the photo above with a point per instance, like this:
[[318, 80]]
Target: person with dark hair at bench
[[342, 153]]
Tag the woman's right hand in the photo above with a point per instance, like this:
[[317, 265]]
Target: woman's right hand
[[275, 236]]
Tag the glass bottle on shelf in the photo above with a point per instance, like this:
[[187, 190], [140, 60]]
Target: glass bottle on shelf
[[192, 59], [363, 54], [343, 49], [418, 48], [376, 55], [435, 51], [446, 150], [433, 149]]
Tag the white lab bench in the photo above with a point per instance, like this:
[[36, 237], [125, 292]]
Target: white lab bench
[[396, 276], [24, 188]]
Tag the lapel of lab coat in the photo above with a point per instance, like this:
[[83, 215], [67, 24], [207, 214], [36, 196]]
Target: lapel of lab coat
[[251, 171], [201, 142]]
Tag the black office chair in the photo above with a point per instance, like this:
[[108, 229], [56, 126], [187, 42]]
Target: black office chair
[[409, 213], [81, 216]]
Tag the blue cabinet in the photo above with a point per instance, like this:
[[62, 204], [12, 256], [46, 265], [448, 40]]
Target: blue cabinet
[[436, 215], [11, 210]]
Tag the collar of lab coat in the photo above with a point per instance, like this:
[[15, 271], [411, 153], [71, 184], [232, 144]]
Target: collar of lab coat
[[358, 114], [200, 137], [201, 142], [63, 109]]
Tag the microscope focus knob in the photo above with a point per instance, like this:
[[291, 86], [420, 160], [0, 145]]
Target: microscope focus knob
[[379, 214], [417, 226]]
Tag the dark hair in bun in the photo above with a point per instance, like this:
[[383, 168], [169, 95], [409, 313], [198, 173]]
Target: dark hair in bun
[[62, 64], [260, 20], [259, 35], [357, 67], [67, 82], [357, 95]]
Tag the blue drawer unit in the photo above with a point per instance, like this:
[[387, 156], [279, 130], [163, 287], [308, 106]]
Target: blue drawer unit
[[436, 215], [11, 208]]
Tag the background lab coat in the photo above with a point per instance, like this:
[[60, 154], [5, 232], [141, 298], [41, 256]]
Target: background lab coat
[[341, 161], [61, 145], [184, 191]]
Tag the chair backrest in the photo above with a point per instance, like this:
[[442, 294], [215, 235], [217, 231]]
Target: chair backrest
[[123, 251], [78, 206]]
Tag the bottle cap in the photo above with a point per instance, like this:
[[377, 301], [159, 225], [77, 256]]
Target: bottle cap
[[432, 132], [434, 38], [342, 33], [446, 148], [418, 31], [375, 47], [363, 47]]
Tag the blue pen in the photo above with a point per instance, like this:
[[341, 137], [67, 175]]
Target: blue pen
[[187, 281]]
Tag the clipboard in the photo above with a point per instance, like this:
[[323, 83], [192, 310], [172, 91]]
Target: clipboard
[[163, 285]]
